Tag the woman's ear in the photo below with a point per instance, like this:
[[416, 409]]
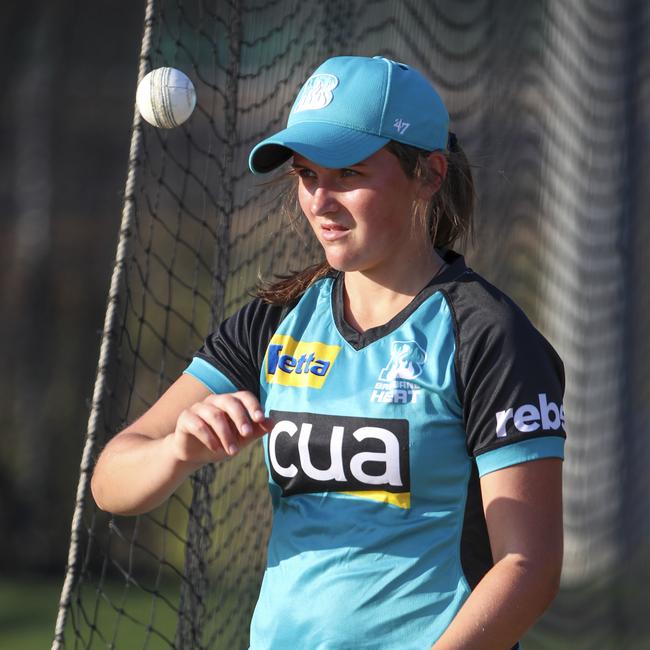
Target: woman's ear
[[438, 166]]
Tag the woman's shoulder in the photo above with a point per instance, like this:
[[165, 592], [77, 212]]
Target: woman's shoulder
[[479, 306], [263, 314], [510, 379], [490, 327]]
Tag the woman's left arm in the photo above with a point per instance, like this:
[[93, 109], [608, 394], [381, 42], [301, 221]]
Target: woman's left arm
[[523, 511]]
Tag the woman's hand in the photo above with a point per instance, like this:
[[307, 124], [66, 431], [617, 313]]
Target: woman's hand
[[218, 426], [187, 427]]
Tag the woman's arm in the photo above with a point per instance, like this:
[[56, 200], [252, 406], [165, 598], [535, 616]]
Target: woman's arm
[[186, 428], [523, 510]]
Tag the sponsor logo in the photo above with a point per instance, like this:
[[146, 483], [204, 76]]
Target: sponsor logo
[[394, 382], [299, 363], [366, 457], [401, 125], [316, 93], [531, 417]]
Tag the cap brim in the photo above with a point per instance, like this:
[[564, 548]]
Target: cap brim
[[327, 145]]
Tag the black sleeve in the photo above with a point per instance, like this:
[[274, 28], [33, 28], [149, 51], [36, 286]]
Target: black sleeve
[[237, 347], [511, 380]]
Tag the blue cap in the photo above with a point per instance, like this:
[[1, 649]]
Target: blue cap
[[351, 107]]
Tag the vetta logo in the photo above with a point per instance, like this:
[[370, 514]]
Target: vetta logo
[[299, 363], [531, 417]]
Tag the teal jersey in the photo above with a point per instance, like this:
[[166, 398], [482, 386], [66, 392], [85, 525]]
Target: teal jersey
[[378, 443]]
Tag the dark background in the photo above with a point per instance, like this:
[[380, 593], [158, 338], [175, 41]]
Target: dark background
[[69, 71]]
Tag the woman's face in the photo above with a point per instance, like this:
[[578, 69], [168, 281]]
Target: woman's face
[[361, 215]]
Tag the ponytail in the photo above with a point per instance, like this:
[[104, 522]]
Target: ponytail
[[287, 288], [448, 217]]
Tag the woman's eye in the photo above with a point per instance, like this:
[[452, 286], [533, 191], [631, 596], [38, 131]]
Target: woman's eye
[[349, 172], [303, 172]]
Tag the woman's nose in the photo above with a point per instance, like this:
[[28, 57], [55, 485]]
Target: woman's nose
[[323, 201]]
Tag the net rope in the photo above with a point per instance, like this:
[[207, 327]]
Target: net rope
[[551, 102], [110, 324]]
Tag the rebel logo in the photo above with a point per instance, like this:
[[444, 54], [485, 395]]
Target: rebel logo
[[527, 418], [310, 452]]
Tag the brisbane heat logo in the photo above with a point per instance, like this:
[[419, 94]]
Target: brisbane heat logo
[[316, 93], [364, 457], [299, 363], [394, 383]]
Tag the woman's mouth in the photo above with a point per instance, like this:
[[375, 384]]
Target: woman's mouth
[[333, 231]]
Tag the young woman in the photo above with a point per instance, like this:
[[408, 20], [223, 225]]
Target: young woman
[[412, 416]]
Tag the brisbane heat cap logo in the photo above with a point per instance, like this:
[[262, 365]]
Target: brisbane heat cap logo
[[316, 93], [299, 363]]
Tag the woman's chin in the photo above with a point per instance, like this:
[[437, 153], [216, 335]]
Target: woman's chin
[[342, 264]]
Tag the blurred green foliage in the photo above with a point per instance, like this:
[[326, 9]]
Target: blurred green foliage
[[28, 610]]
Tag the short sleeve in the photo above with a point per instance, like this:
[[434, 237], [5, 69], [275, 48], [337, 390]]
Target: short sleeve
[[511, 382], [231, 357]]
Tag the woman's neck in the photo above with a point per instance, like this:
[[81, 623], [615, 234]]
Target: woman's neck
[[371, 301]]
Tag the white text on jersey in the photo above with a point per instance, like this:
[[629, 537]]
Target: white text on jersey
[[530, 417], [359, 456], [389, 458]]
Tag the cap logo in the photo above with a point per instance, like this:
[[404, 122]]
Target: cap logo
[[316, 93], [401, 125]]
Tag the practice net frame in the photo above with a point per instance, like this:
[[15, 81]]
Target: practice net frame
[[550, 100]]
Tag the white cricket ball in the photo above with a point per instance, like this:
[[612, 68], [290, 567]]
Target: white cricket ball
[[165, 97]]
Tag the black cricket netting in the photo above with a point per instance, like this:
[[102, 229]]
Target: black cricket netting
[[550, 99]]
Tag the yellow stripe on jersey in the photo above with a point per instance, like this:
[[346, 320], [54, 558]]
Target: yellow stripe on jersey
[[399, 499]]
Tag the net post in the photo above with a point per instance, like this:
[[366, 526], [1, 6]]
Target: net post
[[90, 446]]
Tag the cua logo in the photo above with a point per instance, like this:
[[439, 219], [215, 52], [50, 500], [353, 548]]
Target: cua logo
[[530, 417], [298, 363], [368, 457]]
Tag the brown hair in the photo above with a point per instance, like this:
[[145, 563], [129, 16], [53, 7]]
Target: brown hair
[[447, 216]]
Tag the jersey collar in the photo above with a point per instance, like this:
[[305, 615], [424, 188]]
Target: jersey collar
[[455, 267]]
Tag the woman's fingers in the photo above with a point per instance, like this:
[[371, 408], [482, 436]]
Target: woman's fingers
[[193, 436], [224, 426], [234, 409], [219, 425], [255, 410], [244, 410]]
